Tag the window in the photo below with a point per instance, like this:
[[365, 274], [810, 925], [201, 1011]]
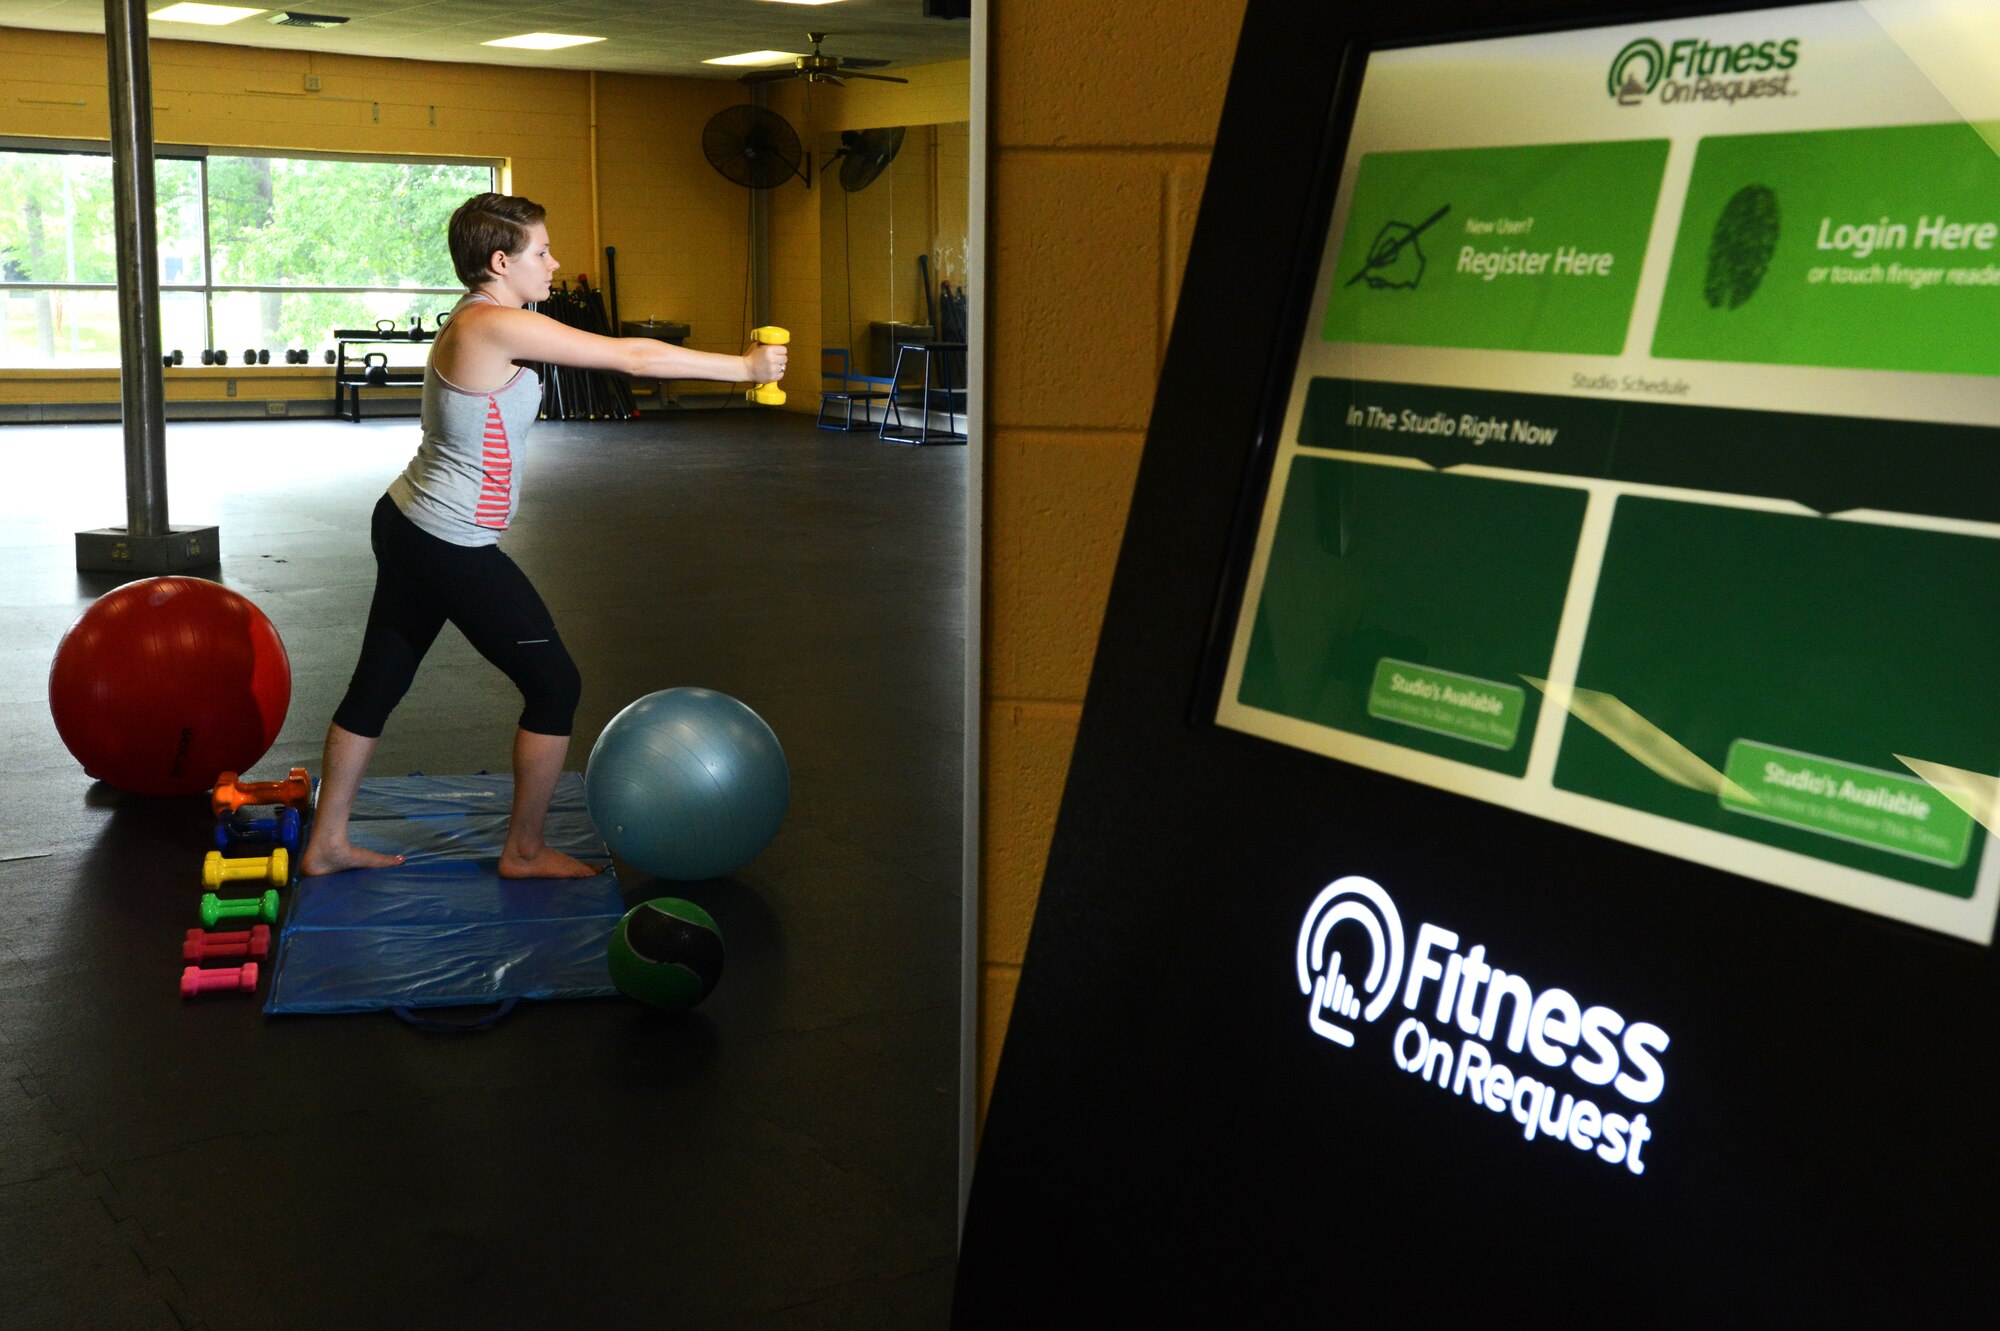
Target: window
[[254, 252]]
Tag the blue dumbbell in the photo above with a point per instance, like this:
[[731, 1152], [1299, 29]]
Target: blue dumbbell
[[235, 832]]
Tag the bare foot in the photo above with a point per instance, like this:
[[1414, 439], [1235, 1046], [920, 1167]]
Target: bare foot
[[322, 859], [544, 863]]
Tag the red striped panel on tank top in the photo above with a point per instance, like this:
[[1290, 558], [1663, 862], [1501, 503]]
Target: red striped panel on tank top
[[497, 463]]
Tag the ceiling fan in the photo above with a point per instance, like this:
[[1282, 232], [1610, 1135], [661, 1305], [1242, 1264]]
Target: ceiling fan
[[817, 68]]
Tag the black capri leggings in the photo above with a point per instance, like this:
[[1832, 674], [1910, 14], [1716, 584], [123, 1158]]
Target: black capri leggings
[[420, 583]]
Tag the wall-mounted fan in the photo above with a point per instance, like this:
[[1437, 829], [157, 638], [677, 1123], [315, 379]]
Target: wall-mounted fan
[[863, 153], [754, 146], [817, 68]]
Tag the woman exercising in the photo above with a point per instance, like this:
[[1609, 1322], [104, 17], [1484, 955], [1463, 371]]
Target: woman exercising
[[435, 532]]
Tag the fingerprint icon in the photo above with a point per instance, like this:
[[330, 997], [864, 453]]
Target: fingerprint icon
[[1740, 249]]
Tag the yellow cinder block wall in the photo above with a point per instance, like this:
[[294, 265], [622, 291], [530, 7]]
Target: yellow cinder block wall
[[801, 278], [870, 240], [926, 189], [1102, 124], [681, 230], [535, 121], [953, 169], [938, 94]]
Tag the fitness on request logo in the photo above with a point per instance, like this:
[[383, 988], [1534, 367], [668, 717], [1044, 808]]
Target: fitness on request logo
[[1495, 1013], [1637, 71], [1694, 70], [1361, 902]]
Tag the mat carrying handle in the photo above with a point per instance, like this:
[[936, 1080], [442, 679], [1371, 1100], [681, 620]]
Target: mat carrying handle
[[409, 1014]]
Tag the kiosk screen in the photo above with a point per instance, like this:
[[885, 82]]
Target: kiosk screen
[[1640, 468]]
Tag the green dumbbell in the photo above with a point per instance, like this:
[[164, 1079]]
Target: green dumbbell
[[214, 909], [275, 868]]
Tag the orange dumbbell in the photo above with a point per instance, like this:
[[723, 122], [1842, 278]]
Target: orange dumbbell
[[230, 794], [275, 869]]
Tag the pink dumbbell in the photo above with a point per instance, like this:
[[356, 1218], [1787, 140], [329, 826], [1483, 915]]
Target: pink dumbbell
[[204, 946], [228, 979]]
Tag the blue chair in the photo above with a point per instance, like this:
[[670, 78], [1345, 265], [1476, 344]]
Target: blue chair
[[940, 363], [839, 383]]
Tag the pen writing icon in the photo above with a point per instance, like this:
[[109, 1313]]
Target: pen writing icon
[[1395, 259]]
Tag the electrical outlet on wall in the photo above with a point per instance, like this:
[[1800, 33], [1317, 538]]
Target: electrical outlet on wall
[[276, 408], [312, 83], [231, 392]]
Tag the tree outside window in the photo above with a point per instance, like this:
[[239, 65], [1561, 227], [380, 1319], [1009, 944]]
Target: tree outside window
[[278, 227]]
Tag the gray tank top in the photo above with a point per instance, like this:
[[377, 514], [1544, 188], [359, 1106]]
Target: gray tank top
[[465, 481]]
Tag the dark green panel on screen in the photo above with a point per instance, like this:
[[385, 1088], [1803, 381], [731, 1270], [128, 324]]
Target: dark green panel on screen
[[1848, 642], [1438, 573]]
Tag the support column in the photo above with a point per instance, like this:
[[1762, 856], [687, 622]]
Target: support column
[[760, 237], [147, 543]]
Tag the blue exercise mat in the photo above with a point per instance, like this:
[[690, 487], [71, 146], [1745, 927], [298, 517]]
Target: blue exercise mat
[[443, 929]]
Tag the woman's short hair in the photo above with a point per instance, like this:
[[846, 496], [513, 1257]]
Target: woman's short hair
[[485, 223]]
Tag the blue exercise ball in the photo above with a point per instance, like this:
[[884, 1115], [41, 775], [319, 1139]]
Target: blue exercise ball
[[687, 784]]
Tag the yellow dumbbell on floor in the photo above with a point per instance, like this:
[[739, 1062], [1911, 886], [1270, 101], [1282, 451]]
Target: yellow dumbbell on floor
[[769, 395], [274, 868]]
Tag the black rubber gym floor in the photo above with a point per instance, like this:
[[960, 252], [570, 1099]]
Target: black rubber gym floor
[[784, 1156]]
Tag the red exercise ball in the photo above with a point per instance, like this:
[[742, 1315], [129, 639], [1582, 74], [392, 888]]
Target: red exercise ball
[[166, 683]]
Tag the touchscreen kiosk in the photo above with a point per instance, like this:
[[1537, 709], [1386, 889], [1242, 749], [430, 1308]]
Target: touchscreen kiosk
[[1529, 847], [1636, 467]]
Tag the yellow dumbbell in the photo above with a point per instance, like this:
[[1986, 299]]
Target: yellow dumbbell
[[274, 868], [769, 395]]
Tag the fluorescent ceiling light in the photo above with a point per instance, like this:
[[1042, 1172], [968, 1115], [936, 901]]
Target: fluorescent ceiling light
[[542, 41], [802, 2], [755, 58], [213, 15]]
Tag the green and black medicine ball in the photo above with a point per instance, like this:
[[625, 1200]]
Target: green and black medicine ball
[[666, 952]]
